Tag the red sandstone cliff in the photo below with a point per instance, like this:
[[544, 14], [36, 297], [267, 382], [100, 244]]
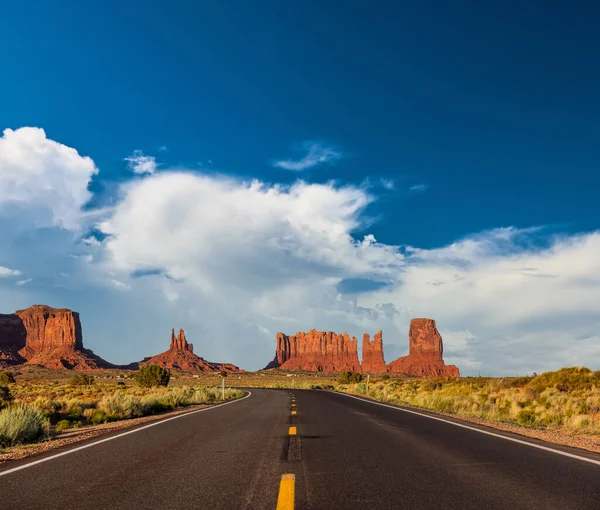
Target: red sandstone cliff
[[48, 337], [180, 356], [317, 351], [425, 352], [372, 354]]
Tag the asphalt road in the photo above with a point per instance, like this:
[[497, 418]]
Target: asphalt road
[[347, 453]]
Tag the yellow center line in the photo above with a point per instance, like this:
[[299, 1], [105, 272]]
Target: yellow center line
[[292, 431], [294, 412], [285, 501]]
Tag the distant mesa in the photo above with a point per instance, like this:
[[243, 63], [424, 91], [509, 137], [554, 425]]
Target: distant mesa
[[46, 336], [316, 351], [425, 352], [180, 356], [320, 351], [52, 338]]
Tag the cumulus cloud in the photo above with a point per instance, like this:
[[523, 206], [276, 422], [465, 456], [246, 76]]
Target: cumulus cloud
[[6, 272], [316, 154], [44, 178], [219, 230], [418, 188], [139, 163]]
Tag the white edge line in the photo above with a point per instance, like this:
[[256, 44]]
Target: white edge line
[[89, 445], [481, 431]]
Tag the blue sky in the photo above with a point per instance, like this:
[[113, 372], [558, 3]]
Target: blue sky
[[462, 140]]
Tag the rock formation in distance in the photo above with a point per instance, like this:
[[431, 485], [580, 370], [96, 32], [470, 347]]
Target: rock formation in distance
[[320, 351], [180, 356], [316, 351], [48, 337], [425, 352], [373, 361]]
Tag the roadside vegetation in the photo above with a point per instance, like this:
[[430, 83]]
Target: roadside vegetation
[[567, 399], [35, 410]]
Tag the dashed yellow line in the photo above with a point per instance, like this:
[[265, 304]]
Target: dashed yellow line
[[287, 486], [294, 413], [292, 431]]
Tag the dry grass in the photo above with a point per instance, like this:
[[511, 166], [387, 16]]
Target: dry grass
[[63, 404], [568, 399]]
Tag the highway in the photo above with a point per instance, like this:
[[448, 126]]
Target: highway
[[304, 450]]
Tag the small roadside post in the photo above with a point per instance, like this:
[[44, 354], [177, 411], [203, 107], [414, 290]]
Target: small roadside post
[[223, 375]]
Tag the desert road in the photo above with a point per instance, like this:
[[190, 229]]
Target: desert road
[[343, 453]]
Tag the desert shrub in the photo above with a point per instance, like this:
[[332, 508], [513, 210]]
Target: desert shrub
[[121, 405], [95, 416], [20, 424], [5, 396], [566, 380], [350, 377], [81, 380], [152, 375], [63, 424], [6, 378], [526, 418], [121, 383], [385, 377]]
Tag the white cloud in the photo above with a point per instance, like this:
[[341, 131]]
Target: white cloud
[[316, 155], [139, 163], [418, 188], [20, 283], [6, 272], [46, 179], [388, 183], [91, 241]]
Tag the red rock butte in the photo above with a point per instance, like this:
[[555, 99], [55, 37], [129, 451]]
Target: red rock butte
[[45, 336], [425, 352], [316, 351], [180, 356], [320, 351], [373, 361]]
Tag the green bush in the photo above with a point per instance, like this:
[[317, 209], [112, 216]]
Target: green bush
[[22, 424], [526, 418], [63, 424], [350, 377], [121, 406], [385, 377], [5, 396], [566, 380], [152, 375], [6, 378], [81, 380]]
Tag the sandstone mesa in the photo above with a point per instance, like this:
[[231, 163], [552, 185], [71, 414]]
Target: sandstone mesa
[[46, 336], [320, 351], [316, 351], [52, 338]]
